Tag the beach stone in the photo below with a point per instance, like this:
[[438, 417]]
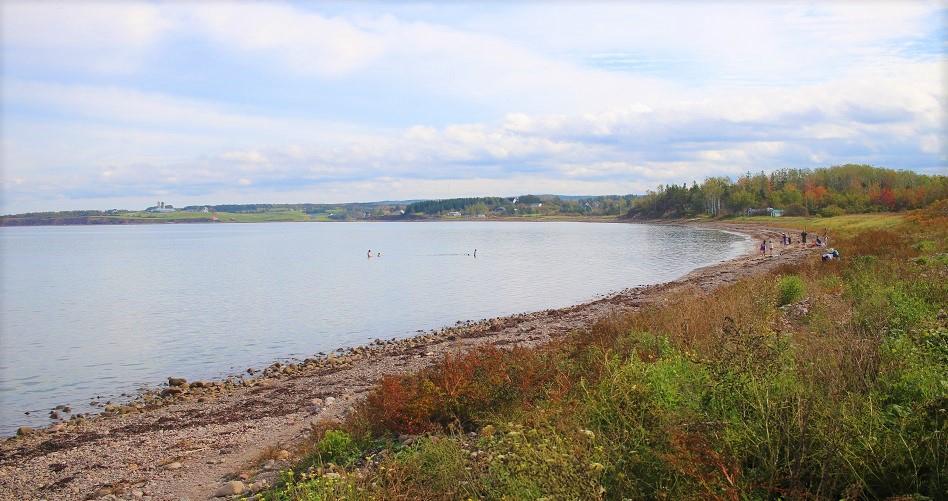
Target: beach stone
[[137, 493], [283, 455], [259, 485], [330, 400], [232, 488], [23, 430], [174, 390], [177, 381], [54, 414], [174, 466], [57, 427]]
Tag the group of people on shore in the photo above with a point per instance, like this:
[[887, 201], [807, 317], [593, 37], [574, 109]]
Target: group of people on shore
[[767, 247]]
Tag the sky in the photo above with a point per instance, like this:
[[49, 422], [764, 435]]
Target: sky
[[121, 104]]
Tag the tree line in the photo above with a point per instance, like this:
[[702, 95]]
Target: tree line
[[607, 205], [828, 192]]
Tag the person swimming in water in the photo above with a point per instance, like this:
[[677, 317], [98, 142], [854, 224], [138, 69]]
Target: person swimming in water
[[475, 253], [369, 254]]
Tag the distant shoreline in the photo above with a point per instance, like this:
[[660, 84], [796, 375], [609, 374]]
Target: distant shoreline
[[24, 221]]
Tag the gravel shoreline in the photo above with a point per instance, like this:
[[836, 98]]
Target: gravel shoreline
[[187, 440]]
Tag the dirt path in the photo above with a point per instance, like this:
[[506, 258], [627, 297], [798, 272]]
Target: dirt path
[[186, 445]]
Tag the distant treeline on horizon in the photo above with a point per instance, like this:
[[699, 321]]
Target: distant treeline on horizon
[[827, 192]]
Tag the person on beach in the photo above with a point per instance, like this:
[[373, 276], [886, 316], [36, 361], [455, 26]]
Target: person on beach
[[831, 255], [763, 246], [770, 246], [803, 235]]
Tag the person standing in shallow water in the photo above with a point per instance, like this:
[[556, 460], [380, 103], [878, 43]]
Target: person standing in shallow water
[[369, 254], [475, 253]]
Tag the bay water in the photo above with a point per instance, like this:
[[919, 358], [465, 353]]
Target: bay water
[[101, 311]]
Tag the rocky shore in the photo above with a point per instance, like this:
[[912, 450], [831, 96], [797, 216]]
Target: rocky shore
[[201, 439]]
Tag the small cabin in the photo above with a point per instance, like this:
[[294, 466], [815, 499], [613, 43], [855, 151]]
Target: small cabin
[[769, 211]]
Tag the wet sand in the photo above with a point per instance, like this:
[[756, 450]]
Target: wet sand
[[189, 441]]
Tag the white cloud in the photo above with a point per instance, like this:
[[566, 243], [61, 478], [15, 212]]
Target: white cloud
[[102, 37], [246, 157], [304, 42]]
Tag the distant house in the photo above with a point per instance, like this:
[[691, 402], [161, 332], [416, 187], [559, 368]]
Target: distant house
[[205, 209], [499, 210], [454, 213]]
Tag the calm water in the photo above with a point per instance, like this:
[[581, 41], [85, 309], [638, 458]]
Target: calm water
[[90, 311]]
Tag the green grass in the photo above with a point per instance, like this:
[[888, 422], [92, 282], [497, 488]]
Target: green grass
[[846, 225], [790, 290]]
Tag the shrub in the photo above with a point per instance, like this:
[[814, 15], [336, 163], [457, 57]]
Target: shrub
[[790, 289], [832, 211], [457, 391], [431, 468], [795, 210], [542, 462], [338, 448]]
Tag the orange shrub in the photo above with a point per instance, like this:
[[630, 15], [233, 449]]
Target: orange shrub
[[456, 391]]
